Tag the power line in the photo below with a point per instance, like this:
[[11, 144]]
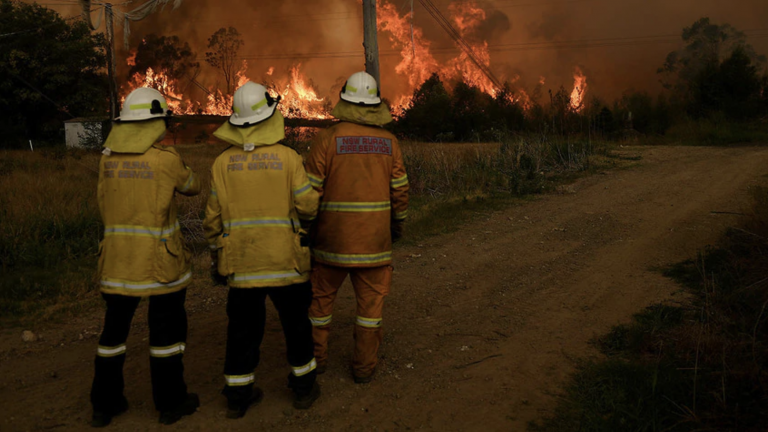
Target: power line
[[525, 46], [456, 36]]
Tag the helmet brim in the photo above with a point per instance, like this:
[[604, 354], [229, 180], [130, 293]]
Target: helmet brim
[[360, 101], [135, 120], [252, 120]]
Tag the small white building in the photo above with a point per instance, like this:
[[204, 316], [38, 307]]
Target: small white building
[[86, 133]]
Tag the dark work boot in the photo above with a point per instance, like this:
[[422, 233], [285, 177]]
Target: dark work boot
[[362, 379], [238, 410], [321, 367], [187, 407], [305, 400], [102, 419]]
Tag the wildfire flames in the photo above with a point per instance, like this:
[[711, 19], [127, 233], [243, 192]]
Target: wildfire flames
[[300, 98], [579, 90]]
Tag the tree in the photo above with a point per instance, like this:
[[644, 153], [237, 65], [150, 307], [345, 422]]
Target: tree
[[692, 72], [469, 112], [51, 69], [734, 87], [429, 115], [167, 55], [224, 45]]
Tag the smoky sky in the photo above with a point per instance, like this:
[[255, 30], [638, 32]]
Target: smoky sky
[[551, 25], [325, 36]]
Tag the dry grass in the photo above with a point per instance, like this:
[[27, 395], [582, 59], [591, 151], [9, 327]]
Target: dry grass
[[698, 366]]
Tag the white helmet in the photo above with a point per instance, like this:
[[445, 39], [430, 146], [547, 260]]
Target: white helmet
[[361, 89], [252, 105], [144, 103]]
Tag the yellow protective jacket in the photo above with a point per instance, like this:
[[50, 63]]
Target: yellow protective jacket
[[253, 216], [143, 252], [359, 172]]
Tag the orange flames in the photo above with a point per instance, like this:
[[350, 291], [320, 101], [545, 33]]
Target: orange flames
[[418, 63], [579, 90], [300, 97]]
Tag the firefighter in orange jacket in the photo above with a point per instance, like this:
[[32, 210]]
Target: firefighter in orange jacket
[[357, 168], [143, 255], [259, 195]]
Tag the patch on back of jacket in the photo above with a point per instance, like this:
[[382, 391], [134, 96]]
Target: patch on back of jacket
[[129, 170], [363, 145]]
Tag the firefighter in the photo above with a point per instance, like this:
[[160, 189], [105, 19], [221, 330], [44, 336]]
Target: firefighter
[[143, 255], [260, 194], [357, 168]]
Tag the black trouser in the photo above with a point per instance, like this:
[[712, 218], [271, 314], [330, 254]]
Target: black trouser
[[247, 317], [167, 339]]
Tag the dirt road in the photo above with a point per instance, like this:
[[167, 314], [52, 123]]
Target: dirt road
[[482, 325]]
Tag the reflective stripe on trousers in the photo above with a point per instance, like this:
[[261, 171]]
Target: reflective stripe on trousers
[[307, 368], [329, 257], [368, 322], [239, 380], [103, 351], [320, 321], [167, 351]]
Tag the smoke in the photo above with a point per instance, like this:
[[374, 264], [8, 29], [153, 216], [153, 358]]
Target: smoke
[[553, 24], [495, 25], [527, 49], [277, 33]]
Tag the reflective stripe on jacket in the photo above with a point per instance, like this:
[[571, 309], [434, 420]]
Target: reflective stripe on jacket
[[359, 172], [143, 252], [253, 216]]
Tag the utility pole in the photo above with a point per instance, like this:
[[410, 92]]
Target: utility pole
[[371, 40], [114, 108]]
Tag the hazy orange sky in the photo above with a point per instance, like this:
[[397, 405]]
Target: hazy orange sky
[[280, 27]]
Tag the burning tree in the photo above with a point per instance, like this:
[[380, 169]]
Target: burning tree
[[224, 45], [166, 55]]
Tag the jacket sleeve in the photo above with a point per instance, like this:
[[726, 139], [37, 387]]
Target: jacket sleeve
[[316, 163], [398, 185], [100, 188], [186, 182], [305, 198], [213, 226]]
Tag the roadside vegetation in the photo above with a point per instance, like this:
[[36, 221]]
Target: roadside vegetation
[[50, 224], [701, 365]]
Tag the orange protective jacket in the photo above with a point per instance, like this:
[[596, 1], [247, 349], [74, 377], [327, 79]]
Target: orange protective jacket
[[143, 252], [359, 173]]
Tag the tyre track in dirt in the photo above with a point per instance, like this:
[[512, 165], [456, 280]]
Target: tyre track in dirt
[[482, 326]]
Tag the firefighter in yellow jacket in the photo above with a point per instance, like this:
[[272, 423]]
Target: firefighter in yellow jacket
[[260, 194], [142, 255], [357, 168]]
